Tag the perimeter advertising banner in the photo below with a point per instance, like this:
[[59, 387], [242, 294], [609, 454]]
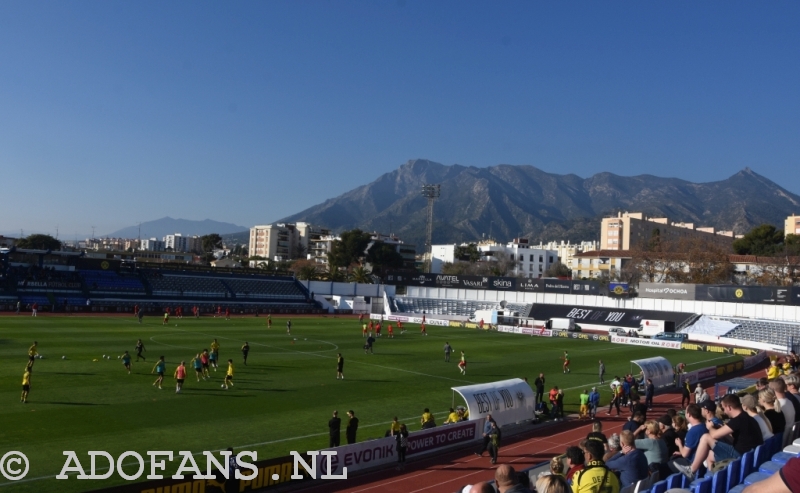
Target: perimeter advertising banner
[[673, 291], [644, 341], [768, 295], [494, 283], [365, 455], [714, 348], [592, 315]]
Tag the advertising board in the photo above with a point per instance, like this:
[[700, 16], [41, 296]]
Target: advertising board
[[592, 315], [645, 342]]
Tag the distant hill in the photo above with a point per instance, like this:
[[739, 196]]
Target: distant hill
[[167, 226], [511, 201]]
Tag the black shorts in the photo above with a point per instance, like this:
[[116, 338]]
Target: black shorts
[[205, 365], [26, 388], [339, 369], [161, 374], [31, 358], [198, 370], [180, 380], [228, 377], [245, 353]]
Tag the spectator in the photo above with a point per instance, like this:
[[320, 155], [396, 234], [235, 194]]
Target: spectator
[[779, 387], [638, 407], [686, 391], [505, 477], [487, 427], [698, 392], [594, 402], [653, 446], [612, 447], [786, 480], [792, 398], [680, 426], [761, 384], [744, 429], [553, 397], [539, 384], [575, 461], [668, 434], [772, 411], [482, 487], [556, 466], [749, 406], [595, 476], [688, 447], [552, 484], [709, 412], [634, 424], [597, 433], [629, 461], [773, 371], [792, 383], [649, 393]]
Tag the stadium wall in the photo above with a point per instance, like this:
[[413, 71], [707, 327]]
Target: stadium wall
[[722, 309], [329, 288]]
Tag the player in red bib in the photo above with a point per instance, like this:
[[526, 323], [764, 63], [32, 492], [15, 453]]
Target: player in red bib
[[361, 318], [391, 331], [422, 329], [462, 365], [566, 362], [480, 324], [219, 311], [378, 329], [135, 310], [269, 321], [195, 312], [227, 314], [179, 311], [371, 326], [400, 326]]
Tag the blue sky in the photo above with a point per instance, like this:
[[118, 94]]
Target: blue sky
[[113, 113]]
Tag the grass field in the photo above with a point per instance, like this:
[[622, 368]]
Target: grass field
[[281, 401]]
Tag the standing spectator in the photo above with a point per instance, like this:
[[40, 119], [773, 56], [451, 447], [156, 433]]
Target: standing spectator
[[560, 404], [352, 427], [487, 427], [334, 429], [494, 441], [629, 461], [594, 402], [602, 371], [686, 391], [553, 396], [539, 385], [402, 444], [584, 401]]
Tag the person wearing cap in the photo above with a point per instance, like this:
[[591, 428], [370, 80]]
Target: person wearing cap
[[709, 412], [352, 427]]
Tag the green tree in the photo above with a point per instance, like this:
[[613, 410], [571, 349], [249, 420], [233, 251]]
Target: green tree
[[361, 275], [305, 270], [349, 249], [467, 253], [558, 270], [39, 242], [210, 242], [383, 258], [764, 240], [792, 245]]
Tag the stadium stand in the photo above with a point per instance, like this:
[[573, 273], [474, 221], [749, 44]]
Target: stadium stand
[[766, 331], [430, 306], [109, 282], [522, 310], [264, 288], [164, 283]]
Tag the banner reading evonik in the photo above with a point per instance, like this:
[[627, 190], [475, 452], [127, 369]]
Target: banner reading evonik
[[360, 456]]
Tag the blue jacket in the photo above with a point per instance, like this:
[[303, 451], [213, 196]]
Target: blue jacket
[[632, 467], [594, 398]]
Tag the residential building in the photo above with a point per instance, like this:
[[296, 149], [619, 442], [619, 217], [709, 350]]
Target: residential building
[[153, 245], [176, 243], [285, 241], [567, 251], [440, 255], [792, 225], [629, 229], [599, 263], [530, 261]]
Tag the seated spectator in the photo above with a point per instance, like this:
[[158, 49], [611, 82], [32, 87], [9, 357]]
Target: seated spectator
[[749, 406], [668, 434], [507, 481], [653, 446], [595, 475], [427, 420], [761, 384], [744, 429], [574, 461], [709, 412], [552, 484], [482, 487], [779, 387], [629, 461], [772, 411], [597, 433], [557, 466], [612, 447], [680, 426], [636, 421], [792, 384], [688, 446], [791, 397], [452, 417], [787, 480]]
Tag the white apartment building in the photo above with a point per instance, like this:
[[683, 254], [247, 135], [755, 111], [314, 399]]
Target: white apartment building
[[440, 255], [567, 251], [285, 241], [176, 243], [532, 262], [153, 245]]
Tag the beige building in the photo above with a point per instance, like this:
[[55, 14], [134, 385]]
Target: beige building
[[630, 228], [285, 241], [599, 263], [792, 225]]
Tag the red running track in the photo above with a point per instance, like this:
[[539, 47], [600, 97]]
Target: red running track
[[449, 472]]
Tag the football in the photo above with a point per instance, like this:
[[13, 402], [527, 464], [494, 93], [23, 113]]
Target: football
[[63, 357]]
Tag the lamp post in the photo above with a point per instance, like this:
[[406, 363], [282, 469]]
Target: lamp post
[[430, 192]]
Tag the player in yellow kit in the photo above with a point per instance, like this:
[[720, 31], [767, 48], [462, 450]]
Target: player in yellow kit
[[33, 351], [26, 386], [228, 376]]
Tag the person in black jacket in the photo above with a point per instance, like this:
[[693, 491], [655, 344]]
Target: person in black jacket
[[539, 385], [334, 427], [352, 427]]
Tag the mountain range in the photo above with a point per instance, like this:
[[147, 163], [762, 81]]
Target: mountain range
[[168, 226], [508, 201]]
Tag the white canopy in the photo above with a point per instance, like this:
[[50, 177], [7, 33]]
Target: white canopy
[[711, 326], [508, 401], [658, 369]]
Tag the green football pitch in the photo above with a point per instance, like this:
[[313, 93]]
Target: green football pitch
[[281, 400]]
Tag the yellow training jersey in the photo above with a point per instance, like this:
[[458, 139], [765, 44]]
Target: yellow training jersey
[[32, 351], [214, 346], [230, 369], [452, 418], [26, 378]]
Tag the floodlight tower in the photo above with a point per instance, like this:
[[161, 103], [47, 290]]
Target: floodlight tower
[[430, 192]]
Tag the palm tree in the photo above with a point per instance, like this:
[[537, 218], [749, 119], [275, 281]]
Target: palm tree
[[307, 273], [333, 274], [361, 275]]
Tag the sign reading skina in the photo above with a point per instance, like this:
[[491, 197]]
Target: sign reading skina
[[494, 283]]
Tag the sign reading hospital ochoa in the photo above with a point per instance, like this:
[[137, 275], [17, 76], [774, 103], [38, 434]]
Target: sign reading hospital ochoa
[[508, 401], [372, 453]]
